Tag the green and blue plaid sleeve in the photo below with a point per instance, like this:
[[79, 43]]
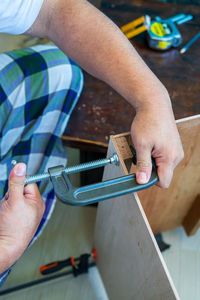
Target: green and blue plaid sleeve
[[39, 87]]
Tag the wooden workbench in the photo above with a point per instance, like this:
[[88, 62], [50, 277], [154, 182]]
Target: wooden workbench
[[102, 112]]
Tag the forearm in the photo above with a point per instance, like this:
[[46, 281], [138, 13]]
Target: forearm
[[98, 46]]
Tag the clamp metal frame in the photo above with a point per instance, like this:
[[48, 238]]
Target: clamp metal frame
[[93, 193]]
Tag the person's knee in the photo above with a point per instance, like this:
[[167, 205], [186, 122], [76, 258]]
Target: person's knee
[[62, 70]]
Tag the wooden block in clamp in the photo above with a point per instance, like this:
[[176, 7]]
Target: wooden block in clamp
[[191, 223], [122, 144]]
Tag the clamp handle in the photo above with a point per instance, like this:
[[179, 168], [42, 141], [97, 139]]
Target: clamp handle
[[93, 193]]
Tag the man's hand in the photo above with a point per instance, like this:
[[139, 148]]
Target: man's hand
[[21, 211], [155, 134]]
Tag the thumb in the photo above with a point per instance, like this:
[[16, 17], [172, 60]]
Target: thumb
[[144, 165], [16, 180]]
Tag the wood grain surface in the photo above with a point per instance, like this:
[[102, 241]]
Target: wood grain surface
[[168, 208], [129, 261], [101, 112]]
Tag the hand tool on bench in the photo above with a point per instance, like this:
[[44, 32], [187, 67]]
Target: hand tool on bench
[[132, 29], [189, 44], [162, 34], [93, 193]]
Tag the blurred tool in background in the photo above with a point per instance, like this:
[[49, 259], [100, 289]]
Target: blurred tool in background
[[132, 29], [162, 34], [189, 44], [79, 265], [76, 266]]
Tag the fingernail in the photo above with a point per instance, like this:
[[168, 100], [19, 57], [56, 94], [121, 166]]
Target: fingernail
[[142, 177], [20, 169]]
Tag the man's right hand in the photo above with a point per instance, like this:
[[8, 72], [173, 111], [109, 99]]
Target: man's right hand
[[102, 50], [154, 134], [21, 211]]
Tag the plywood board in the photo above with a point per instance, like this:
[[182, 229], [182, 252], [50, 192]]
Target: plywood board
[[166, 209], [130, 262]]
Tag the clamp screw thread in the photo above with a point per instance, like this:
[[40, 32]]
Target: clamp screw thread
[[114, 159]]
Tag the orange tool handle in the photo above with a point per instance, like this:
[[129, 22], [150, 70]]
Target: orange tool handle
[[55, 266], [58, 265]]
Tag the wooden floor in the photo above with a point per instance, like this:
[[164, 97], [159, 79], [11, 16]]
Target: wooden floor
[[69, 233], [183, 262]]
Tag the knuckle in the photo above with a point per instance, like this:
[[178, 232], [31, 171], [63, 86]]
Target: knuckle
[[143, 164], [39, 208], [41, 204], [171, 158], [15, 186], [165, 176], [165, 185], [38, 203], [16, 183], [177, 157], [141, 144]]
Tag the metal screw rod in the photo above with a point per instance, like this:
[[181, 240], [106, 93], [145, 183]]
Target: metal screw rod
[[114, 159]]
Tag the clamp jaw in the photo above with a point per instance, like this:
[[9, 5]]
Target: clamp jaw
[[90, 194]]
